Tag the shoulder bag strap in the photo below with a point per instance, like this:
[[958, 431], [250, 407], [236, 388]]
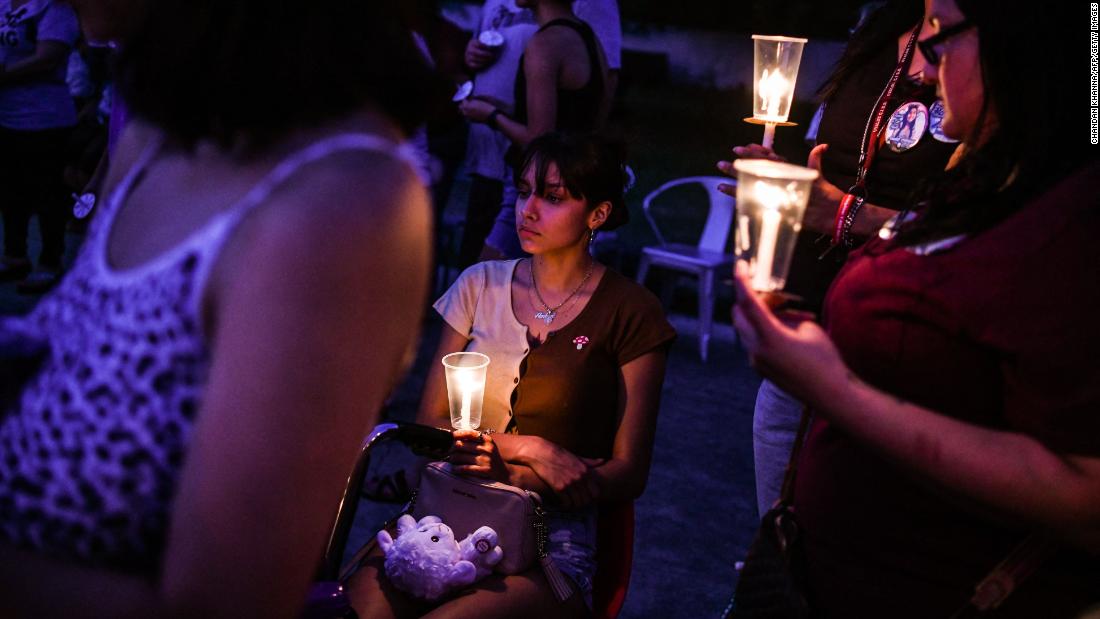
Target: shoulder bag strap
[[1007, 576]]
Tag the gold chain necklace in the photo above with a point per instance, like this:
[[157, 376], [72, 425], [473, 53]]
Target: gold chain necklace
[[548, 314]]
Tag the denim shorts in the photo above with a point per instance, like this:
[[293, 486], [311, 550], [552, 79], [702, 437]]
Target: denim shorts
[[572, 546]]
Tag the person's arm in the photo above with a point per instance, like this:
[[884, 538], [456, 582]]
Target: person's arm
[[577, 481], [824, 197], [312, 317], [434, 409], [624, 475], [1009, 472], [870, 220], [305, 351], [47, 57], [825, 200], [542, 64]]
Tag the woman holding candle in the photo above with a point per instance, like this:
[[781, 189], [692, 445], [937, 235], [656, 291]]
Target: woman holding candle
[[878, 54], [183, 446], [577, 360], [954, 387]]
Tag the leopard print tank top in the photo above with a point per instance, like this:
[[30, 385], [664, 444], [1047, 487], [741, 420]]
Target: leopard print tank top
[[92, 447]]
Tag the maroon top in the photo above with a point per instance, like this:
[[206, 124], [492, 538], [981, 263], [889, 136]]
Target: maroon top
[[997, 330]]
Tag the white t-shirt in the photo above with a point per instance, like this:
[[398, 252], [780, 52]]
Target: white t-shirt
[[485, 147], [479, 306]]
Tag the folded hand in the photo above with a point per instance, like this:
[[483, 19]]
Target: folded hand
[[476, 454], [569, 476]]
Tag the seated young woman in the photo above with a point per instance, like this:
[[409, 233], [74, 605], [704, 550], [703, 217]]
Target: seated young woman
[[577, 358]]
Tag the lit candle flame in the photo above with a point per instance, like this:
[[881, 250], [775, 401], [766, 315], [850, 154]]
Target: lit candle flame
[[772, 198], [467, 384], [772, 195], [773, 87]]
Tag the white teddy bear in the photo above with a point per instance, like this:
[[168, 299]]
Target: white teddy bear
[[426, 562]]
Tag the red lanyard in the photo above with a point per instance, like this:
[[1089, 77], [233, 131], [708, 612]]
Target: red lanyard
[[872, 132], [874, 127]]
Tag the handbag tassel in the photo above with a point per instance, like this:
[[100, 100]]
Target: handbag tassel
[[557, 581]]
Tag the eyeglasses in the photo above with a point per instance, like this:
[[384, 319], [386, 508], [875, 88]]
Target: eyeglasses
[[930, 47]]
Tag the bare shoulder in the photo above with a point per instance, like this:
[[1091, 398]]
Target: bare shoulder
[[551, 45], [132, 142], [558, 36], [343, 229], [347, 199]]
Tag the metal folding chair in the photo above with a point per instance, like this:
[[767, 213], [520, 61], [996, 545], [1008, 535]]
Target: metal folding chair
[[703, 259]]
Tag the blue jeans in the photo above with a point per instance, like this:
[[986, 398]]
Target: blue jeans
[[774, 429]]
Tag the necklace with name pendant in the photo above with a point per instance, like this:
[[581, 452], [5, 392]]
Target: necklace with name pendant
[[548, 314]]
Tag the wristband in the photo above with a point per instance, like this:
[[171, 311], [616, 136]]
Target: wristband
[[846, 213]]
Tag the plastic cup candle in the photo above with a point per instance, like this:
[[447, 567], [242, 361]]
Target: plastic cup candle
[[465, 374], [491, 38], [771, 199], [775, 70]]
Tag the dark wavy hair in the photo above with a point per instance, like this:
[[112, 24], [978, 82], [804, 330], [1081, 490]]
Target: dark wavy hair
[[879, 26], [591, 169], [246, 71], [1031, 76]]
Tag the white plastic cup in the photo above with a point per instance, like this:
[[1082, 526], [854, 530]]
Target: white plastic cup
[[463, 91], [465, 373], [775, 70], [771, 200], [492, 39]]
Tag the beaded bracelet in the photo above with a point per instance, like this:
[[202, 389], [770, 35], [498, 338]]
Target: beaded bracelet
[[846, 213]]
